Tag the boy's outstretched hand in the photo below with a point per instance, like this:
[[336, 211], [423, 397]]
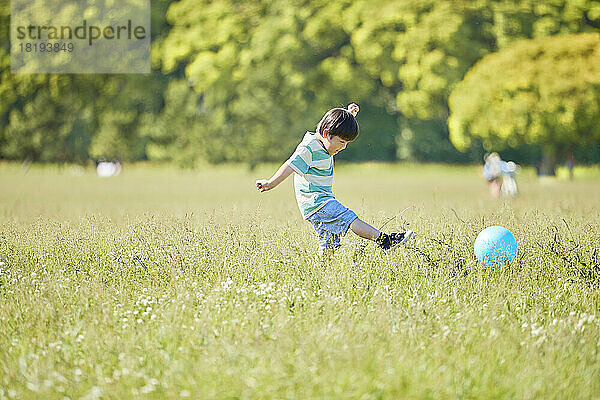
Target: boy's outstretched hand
[[263, 185], [283, 172]]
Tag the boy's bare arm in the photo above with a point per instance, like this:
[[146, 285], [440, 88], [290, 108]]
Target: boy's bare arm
[[267, 184]]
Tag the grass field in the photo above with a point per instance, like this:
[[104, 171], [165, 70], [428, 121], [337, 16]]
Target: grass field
[[162, 283]]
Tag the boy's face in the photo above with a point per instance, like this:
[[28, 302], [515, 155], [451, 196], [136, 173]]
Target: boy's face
[[333, 144]]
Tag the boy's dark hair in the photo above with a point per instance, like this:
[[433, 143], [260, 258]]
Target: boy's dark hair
[[339, 122]]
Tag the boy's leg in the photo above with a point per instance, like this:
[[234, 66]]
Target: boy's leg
[[333, 221], [328, 242], [384, 241], [364, 230]]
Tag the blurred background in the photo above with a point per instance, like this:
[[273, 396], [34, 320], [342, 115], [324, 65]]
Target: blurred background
[[242, 80]]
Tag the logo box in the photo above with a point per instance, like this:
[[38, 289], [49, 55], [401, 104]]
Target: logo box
[[80, 36]]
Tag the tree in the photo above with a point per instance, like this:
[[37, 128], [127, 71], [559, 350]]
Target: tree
[[50, 126], [254, 74], [173, 135], [543, 91], [69, 118], [265, 72], [421, 50]]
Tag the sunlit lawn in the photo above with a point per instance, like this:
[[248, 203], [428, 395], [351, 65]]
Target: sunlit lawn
[[163, 283]]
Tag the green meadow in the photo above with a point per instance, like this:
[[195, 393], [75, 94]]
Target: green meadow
[[167, 283]]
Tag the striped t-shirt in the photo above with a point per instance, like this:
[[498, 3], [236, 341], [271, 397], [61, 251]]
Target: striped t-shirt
[[314, 178]]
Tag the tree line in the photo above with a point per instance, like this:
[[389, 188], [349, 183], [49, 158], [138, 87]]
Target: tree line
[[242, 80]]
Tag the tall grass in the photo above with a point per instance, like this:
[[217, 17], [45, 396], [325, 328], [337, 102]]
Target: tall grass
[[162, 283]]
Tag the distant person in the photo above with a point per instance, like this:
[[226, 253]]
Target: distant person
[[313, 164], [500, 175]]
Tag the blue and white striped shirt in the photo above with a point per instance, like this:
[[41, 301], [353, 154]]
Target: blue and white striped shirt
[[314, 178]]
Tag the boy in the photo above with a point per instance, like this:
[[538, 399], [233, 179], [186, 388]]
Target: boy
[[313, 164]]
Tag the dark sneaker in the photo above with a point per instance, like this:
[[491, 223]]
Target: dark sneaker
[[388, 242]]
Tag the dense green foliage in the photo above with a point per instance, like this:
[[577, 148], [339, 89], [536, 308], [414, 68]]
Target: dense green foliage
[[160, 284], [52, 117], [242, 80], [544, 91]]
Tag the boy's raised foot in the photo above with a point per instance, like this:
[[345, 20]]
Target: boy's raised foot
[[388, 242]]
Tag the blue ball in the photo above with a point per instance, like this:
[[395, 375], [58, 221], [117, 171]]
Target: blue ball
[[495, 247]]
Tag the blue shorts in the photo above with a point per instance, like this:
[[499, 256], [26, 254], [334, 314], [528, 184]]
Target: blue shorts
[[331, 222]]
